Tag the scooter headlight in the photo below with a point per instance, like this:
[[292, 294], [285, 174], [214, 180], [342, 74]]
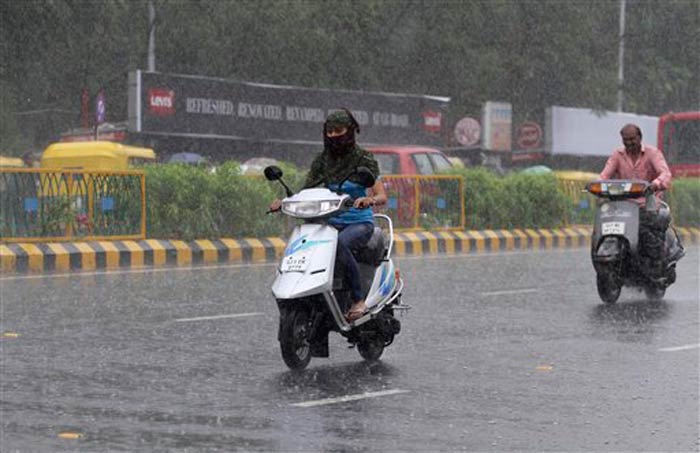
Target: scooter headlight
[[616, 189], [308, 209]]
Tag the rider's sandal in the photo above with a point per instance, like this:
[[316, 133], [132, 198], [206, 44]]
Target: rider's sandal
[[357, 313]]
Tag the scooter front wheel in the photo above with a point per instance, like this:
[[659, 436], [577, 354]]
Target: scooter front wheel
[[294, 338], [609, 288]]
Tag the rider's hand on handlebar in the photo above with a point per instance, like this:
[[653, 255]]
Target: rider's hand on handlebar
[[364, 202], [275, 206], [654, 187]]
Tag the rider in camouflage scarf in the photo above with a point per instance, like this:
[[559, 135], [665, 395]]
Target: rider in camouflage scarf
[[340, 155]]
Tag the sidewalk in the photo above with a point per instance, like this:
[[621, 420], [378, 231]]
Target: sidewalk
[[62, 257]]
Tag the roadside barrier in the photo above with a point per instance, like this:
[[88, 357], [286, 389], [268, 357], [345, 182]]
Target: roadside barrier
[[417, 202], [105, 255], [573, 185], [41, 205]]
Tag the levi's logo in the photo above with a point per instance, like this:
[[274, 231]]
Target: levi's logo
[[161, 101], [432, 121]]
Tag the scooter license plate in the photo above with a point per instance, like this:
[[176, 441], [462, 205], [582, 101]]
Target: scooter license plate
[[613, 228], [295, 263]]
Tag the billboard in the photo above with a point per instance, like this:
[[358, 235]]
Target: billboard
[[497, 120], [204, 107], [584, 132]]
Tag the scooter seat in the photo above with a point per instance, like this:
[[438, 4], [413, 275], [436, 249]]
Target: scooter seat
[[375, 251]]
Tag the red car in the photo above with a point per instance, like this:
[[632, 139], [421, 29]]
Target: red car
[[409, 160]]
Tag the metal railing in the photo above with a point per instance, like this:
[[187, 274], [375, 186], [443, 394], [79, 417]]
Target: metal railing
[[425, 202], [581, 203], [39, 205]]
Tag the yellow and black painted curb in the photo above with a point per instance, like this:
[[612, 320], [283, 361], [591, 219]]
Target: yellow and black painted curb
[[104, 255]]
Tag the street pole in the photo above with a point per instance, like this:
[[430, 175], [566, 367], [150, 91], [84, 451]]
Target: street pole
[[151, 37], [621, 58]]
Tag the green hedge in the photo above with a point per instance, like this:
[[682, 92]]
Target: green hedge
[[514, 201], [190, 202], [684, 200], [186, 202]]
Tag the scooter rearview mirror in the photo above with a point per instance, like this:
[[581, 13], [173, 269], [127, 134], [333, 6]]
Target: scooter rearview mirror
[[272, 173]]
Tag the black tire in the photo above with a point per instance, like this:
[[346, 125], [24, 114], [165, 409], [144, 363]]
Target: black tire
[[654, 292], [609, 288], [294, 339], [371, 350]]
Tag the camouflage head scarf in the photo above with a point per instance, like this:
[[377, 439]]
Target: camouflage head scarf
[[339, 118], [342, 143]]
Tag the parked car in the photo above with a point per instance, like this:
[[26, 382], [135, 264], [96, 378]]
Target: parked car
[[409, 160], [187, 159], [256, 165]]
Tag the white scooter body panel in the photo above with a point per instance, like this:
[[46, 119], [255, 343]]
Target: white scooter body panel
[[307, 266]]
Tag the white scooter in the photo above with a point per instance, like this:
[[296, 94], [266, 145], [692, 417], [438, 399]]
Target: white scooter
[[310, 291]]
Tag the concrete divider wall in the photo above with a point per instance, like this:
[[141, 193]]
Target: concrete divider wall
[[88, 256]]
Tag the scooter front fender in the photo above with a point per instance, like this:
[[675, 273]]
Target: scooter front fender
[[317, 245], [625, 212], [609, 249]]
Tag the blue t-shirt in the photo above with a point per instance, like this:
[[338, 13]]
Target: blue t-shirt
[[352, 215]]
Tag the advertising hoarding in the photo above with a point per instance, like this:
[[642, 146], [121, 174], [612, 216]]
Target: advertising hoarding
[[205, 107], [497, 123], [585, 132]]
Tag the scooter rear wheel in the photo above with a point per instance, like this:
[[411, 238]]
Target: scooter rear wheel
[[654, 292], [371, 350], [609, 288], [294, 339]]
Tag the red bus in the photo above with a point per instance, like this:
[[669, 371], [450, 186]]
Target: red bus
[[679, 139]]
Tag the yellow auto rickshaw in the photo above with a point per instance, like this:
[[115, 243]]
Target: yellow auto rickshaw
[[89, 172], [95, 155]]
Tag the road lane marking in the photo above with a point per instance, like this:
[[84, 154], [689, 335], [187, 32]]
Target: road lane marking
[[346, 398], [208, 318], [680, 348], [510, 291], [70, 435]]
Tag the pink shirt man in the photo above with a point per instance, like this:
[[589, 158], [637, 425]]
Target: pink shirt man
[[649, 165]]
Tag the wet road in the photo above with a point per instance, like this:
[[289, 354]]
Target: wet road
[[501, 352]]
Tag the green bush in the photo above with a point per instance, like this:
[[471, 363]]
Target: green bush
[[180, 202], [482, 193], [241, 202], [684, 200], [191, 202], [186, 202], [513, 201], [532, 201]]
